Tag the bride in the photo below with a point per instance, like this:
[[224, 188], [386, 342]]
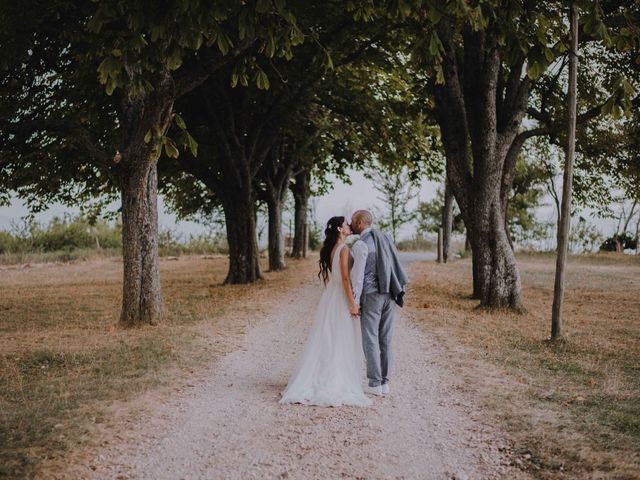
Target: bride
[[329, 370]]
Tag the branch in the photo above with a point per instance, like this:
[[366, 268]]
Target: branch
[[199, 70], [511, 159], [76, 133], [584, 117]]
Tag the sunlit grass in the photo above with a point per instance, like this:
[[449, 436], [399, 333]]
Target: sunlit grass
[[573, 406], [63, 359]]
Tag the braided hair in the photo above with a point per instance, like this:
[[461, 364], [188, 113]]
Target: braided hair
[[331, 238]]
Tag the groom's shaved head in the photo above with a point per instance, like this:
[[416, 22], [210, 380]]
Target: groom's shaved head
[[361, 219], [363, 216]]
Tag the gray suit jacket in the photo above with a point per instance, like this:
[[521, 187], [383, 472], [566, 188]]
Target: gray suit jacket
[[391, 276]]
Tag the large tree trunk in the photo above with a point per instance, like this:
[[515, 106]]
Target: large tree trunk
[[141, 295], [138, 176], [497, 282], [480, 109], [244, 261], [276, 175], [447, 222], [301, 192]]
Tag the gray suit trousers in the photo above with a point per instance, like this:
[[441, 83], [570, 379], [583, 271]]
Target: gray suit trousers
[[377, 325]]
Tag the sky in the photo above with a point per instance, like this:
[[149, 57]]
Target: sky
[[342, 200]]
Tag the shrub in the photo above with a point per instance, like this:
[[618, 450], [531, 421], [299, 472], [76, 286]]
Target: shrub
[[625, 240]]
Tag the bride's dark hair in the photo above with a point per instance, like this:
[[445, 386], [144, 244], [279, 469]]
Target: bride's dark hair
[[331, 238]]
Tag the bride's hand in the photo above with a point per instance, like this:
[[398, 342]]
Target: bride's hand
[[354, 310]]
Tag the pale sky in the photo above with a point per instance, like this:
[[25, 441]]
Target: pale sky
[[342, 200]]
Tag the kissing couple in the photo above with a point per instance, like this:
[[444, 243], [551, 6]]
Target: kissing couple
[[355, 316]]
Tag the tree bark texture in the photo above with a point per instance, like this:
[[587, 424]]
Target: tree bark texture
[[301, 189], [244, 261], [480, 109], [276, 176], [138, 176], [447, 222], [141, 294]]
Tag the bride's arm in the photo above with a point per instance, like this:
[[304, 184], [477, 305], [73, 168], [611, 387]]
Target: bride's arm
[[346, 281]]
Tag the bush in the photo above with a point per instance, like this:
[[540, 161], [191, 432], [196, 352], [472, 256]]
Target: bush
[[7, 242], [60, 235], [625, 240], [75, 238], [418, 243], [72, 234]]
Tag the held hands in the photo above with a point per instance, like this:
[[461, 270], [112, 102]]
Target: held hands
[[354, 309]]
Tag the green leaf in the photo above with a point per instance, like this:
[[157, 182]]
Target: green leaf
[[147, 136], [548, 54], [109, 68], [180, 122], [435, 45], [262, 81], [174, 60], [170, 148], [439, 75], [534, 71], [192, 145], [111, 86], [224, 43]]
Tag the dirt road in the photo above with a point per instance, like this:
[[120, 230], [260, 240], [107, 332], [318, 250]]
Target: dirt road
[[231, 426]]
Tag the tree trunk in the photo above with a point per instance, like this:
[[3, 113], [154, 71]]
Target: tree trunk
[[244, 262], [496, 275], [479, 110], [276, 240], [565, 224], [301, 190], [507, 230], [447, 222], [141, 295]]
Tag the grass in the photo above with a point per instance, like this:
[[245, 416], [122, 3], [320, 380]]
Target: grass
[[572, 407], [66, 368]]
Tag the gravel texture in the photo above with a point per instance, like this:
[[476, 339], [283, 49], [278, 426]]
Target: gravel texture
[[231, 426]]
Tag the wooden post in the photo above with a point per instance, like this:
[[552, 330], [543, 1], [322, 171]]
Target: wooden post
[[447, 221], [440, 245], [306, 240], [565, 214]]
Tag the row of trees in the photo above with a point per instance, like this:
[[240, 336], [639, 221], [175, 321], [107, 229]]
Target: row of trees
[[224, 105]]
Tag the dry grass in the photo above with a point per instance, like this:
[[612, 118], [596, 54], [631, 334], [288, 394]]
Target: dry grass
[[63, 360], [572, 407]]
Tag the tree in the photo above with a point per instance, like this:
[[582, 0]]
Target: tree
[[429, 215], [447, 221], [115, 122], [396, 192], [565, 210], [245, 132], [301, 189], [529, 182], [473, 55], [320, 113]]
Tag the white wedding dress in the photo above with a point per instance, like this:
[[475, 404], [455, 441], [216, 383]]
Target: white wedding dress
[[329, 371]]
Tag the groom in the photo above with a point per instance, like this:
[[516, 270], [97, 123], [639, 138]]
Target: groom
[[378, 282]]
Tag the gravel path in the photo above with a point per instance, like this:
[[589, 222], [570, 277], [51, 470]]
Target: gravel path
[[231, 426]]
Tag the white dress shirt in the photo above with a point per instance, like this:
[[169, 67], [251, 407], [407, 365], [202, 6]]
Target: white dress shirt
[[360, 251]]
